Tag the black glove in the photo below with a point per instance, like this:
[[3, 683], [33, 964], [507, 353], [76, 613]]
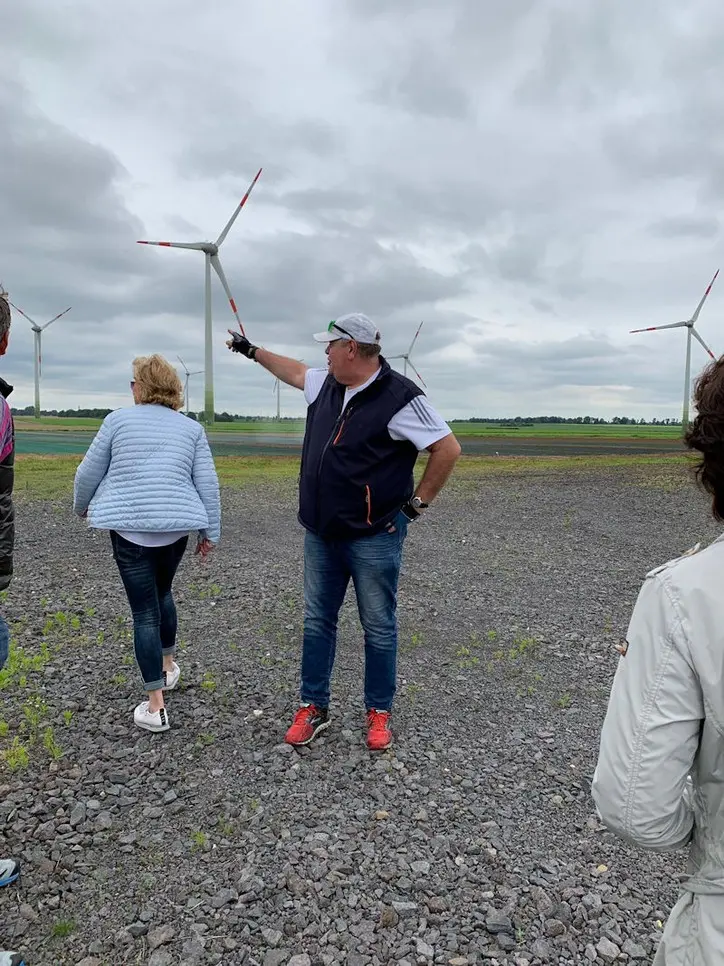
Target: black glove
[[240, 343]]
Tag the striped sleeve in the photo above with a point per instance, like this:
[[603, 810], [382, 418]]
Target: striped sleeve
[[418, 423]]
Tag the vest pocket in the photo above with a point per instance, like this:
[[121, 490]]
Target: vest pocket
[[368, 501]]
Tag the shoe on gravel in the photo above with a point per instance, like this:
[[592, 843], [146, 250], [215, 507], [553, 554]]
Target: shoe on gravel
[[170, 678], [307, 724], [150, 720], [379, 735], [9, 871], [11, 959]]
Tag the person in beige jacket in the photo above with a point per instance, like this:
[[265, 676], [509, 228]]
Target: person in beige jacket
[[659, 780]]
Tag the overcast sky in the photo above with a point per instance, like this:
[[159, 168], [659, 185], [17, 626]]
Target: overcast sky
[[531, 178]]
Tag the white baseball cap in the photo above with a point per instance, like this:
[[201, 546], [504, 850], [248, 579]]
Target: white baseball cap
[[353, 326]]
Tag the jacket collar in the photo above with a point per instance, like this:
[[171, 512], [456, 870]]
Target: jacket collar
[[5, 388]]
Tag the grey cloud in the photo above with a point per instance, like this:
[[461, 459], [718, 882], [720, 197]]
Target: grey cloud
[[687, 226], [62, 213], [423, 86]]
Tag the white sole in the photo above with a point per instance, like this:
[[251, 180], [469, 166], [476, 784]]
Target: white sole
[[302, 744], [148, 727]]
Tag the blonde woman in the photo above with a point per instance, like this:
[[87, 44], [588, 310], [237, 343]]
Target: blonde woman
[[150, 479]]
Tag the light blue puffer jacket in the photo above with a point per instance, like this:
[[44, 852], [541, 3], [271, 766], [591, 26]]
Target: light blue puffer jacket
[[149, 468]]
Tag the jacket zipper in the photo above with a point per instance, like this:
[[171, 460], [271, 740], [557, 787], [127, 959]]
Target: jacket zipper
[[368, 500], [336, 438], [333, 437]]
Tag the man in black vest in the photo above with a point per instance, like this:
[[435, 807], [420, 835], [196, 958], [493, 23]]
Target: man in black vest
[[366, 424]]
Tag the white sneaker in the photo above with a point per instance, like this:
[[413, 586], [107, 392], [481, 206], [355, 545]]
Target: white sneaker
[[11, 959], [150, 720], [171, 677]]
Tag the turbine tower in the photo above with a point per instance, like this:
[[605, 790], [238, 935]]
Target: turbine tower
[[37, 354], [689, 324], [278, 390], [211, 259], [406, 356], [196, 372]]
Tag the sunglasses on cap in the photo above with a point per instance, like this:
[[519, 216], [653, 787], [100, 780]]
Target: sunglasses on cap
[[333, 325]]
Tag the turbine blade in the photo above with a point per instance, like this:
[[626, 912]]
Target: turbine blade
[[655, 328], [414, 339], [222, 278], [194, 246], [241, 204], [695, 316], [183, 364], [409, 362], [701, 341], [22, 313], [56, 318]]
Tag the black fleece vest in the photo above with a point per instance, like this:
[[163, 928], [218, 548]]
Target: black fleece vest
[[354, 477]]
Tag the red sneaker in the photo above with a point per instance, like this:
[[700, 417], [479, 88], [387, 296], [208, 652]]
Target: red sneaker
[[307, 724], [379, 735]]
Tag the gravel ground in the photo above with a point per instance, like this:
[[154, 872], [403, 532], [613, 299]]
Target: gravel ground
[[473, 840]]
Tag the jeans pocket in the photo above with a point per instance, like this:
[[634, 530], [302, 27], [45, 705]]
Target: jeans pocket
[[125, 552]]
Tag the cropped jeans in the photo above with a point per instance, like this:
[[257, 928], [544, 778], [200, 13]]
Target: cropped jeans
[[147, 574], [373, 565]]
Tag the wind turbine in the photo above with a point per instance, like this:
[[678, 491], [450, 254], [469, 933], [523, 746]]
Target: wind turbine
[[278, 390], [38, 360], [211, 258], [406, 356], [690, 330], [196, 372]]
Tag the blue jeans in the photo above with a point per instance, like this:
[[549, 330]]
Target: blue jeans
[[147, 574], [4, 641], [373, 564]]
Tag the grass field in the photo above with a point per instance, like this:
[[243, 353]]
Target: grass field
[[51, 477], [535, 430]]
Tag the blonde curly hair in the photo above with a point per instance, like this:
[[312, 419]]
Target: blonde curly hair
[[157, 382]]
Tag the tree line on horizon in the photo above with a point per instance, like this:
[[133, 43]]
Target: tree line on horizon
[[225, 417]]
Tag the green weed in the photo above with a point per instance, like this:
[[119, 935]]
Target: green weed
[[199, 840], [16, 757], [51, 745], [208, 682], [19, 664]]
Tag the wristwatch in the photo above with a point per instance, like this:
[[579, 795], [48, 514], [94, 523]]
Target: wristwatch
[[418, 504]]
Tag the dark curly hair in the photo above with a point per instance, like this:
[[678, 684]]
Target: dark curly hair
[[706, 433]]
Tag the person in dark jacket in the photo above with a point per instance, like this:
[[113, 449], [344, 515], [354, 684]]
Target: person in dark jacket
[[9, 868], [366, 424]]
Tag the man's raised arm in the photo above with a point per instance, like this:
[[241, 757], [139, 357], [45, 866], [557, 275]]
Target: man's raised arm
[[290, 371]]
